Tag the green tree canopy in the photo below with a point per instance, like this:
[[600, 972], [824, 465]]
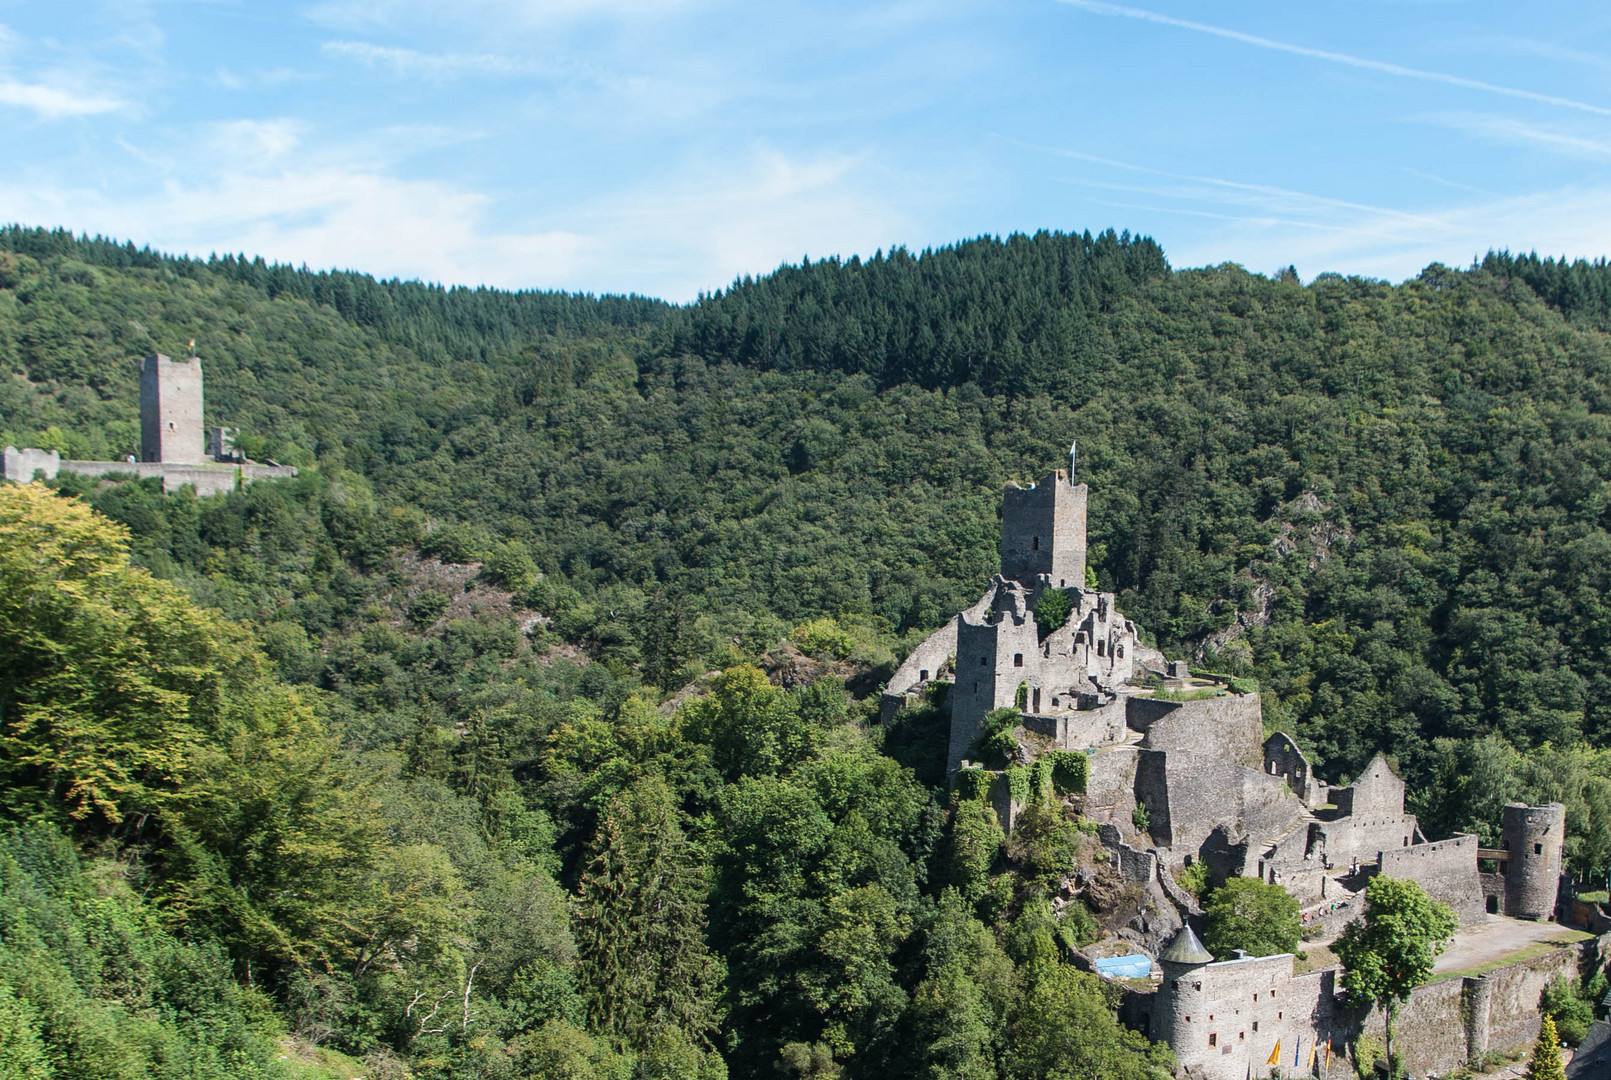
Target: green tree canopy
[[1249, 914], [1391, 949]]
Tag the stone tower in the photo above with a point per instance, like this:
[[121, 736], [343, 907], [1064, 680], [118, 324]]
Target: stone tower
[[1181, 994], [170, 411], [1533, 835], [1043, 533]]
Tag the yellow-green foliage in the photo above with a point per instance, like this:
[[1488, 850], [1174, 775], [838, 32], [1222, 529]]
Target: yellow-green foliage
[[1546, 1060], [824, 637]]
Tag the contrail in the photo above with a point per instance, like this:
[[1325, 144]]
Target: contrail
[[1095, 7]]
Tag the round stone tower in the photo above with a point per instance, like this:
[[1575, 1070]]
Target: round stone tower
[[1533, 836], [1182, 1005]]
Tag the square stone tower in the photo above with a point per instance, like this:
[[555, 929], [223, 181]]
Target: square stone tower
[[1043, 533], [170, 411]]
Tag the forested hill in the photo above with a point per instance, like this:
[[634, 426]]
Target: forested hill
[[830, 439], [1388, 504]]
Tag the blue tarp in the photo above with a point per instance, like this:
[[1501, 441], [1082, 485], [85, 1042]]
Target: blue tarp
[[1134, 966]]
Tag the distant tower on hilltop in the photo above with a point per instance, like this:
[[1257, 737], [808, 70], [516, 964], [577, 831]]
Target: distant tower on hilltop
[[1043, 532], [170, 411]]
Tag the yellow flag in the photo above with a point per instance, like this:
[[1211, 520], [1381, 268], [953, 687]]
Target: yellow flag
[[1314, 1048], [1275, 1055]]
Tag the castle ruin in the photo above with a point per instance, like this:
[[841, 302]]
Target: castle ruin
[[1189, 775], [173, 446]]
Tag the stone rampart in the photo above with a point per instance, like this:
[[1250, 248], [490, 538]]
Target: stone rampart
[[1447, 870], [1110, 785], [1432, 1032], [1230, 727], [1188, 795], [20, 466], [207, 479]]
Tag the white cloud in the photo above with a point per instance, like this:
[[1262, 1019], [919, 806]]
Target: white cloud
[[719, 220], [407, 63], [1096, 7], [1508, 130], [1570, 221], [258, 187], [394, 13], [53, 102]]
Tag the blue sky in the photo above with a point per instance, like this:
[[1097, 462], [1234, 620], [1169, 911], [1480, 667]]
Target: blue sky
[[667, 146]]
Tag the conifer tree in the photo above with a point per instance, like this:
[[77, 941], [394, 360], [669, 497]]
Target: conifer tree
[[1546, 1062], [644, 963]]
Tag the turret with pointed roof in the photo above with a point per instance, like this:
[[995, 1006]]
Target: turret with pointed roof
[[1186, 950]]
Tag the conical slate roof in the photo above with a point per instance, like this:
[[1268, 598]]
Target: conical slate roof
[[1186, 949]]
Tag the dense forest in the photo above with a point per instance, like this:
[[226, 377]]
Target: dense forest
[[529, 732]]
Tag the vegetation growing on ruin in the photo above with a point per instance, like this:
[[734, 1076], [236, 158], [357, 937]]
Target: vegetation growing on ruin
[[525, 521]]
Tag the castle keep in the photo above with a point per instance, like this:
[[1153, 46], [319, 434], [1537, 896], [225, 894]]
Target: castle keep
[[173, 445], [1190, 776]]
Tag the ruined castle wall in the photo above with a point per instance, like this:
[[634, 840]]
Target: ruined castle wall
[[1230, 727], [1283, 758], [928, 657], [1378, 793], [1188, 795], [1447, 870], [19, 466], [1363, 838], [1110, 786], [1134, 865], [993, 658], [207, 479], [1296, 861], [1088, 728]]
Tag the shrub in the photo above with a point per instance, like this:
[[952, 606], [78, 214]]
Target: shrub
[[973, 785], [1052, 611], [1572, 1010], [995, 744], [824, 637], [1194, 878], [1141, 817], [1070, 770]]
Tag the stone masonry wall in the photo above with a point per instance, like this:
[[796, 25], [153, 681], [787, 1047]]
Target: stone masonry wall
[[1188, 795], [1110, 786], [1134, 865], [1230, 727], [21, 465], [1447, 870]]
